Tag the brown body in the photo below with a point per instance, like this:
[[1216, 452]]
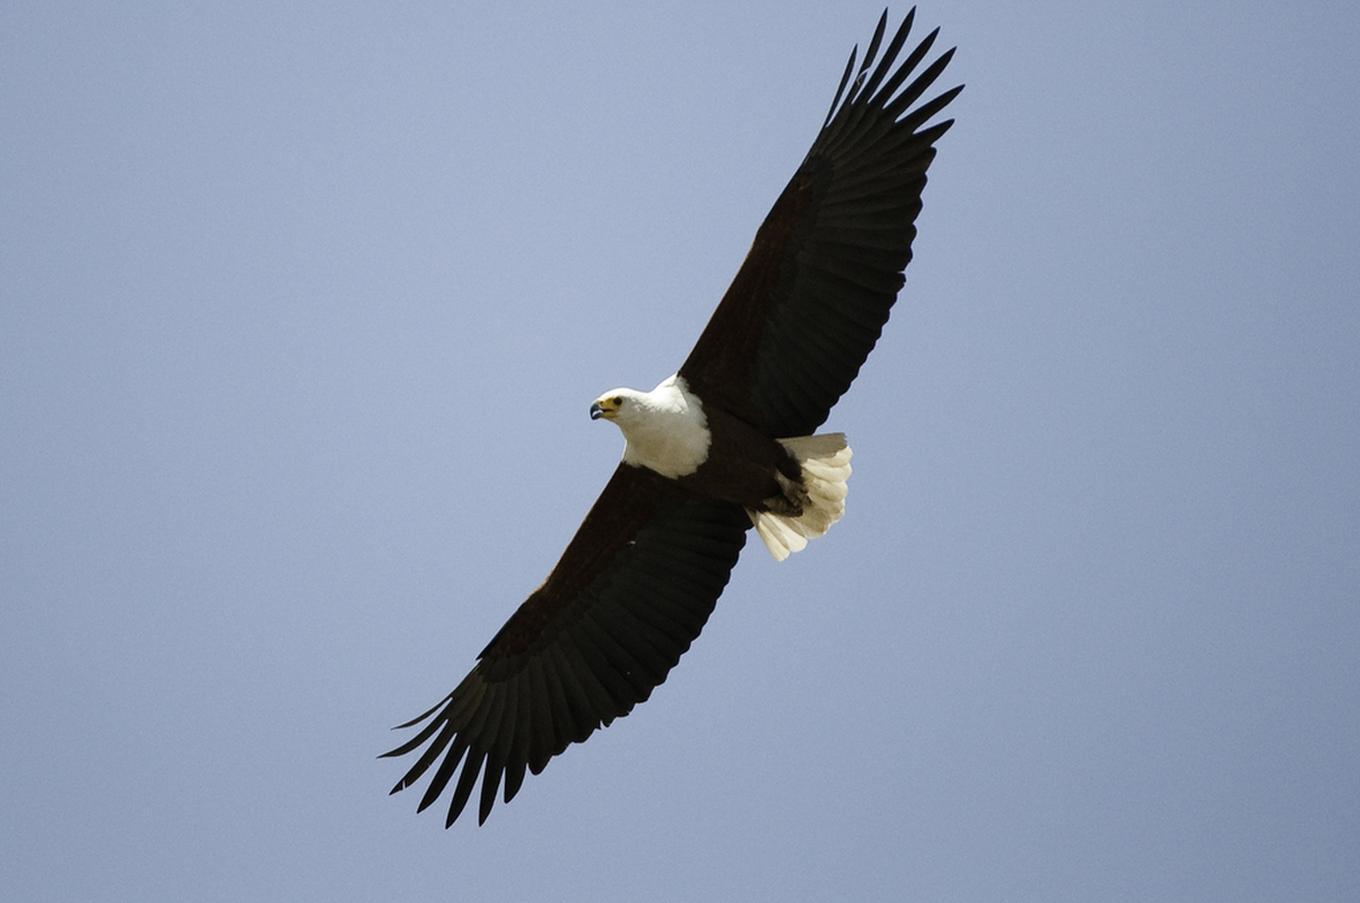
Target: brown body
[[741, 467]]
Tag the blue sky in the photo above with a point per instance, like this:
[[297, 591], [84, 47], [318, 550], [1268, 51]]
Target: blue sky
[[300, 314]]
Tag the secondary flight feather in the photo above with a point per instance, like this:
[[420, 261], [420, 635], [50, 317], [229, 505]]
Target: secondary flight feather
[[725, 444]]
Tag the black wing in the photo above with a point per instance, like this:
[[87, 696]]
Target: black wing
[[632, 591], [811, 298]]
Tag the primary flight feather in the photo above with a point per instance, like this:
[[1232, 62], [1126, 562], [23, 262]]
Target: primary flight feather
[[723, 445]]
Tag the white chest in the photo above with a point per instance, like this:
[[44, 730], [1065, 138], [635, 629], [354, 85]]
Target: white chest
[[668, 431]]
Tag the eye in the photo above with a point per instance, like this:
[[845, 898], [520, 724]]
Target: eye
[[617, 400]]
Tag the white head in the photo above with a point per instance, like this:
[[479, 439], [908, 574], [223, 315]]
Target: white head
[[665, 429], [620, 405]]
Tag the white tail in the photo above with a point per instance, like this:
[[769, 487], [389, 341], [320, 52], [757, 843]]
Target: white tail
[[825, 462]]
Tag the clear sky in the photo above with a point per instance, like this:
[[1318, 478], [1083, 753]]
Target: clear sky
[[301, 311]]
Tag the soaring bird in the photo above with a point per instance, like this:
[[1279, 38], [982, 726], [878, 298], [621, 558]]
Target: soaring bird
[[724, 444]]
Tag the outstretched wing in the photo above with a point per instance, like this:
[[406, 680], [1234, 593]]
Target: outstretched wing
[[631, 592], [811, 298]]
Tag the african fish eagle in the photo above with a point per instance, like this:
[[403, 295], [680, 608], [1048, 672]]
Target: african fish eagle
[[724, 444]]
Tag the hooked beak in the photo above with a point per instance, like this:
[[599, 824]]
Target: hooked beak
[[606, 407]]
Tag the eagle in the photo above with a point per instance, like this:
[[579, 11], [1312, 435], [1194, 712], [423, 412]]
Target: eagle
[[724, 445]]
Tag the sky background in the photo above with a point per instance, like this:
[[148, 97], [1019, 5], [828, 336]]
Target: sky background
[[300, 314]]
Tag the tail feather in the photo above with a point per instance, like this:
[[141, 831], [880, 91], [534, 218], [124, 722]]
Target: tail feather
[[780, 535], [825, 463]]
